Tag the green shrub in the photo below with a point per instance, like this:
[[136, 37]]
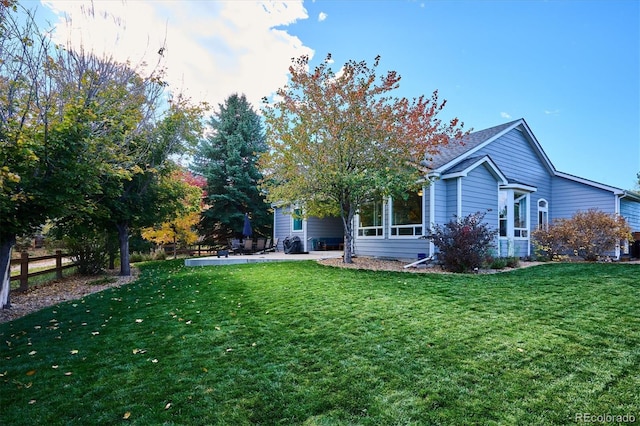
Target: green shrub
[[88, 251], [498, 263]]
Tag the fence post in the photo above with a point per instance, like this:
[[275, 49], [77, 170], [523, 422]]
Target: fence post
[[24, 271], [59, 264]]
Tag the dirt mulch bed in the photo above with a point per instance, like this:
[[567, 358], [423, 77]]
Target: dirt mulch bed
[[69, 288], [395, 265]]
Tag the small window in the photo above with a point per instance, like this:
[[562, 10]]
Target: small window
[[296, 225], [543, 214]]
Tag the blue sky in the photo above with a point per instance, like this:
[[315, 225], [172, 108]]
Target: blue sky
[[571, 69]]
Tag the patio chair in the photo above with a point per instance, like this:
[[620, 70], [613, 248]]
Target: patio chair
[[260, 244], [234, 246], [247, 246], [271, 246]]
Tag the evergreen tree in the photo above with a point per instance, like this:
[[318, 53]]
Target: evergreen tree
[[227, 160]]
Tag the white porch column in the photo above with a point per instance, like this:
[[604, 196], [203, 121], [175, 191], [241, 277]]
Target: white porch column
[[432, 211], [510, 223]]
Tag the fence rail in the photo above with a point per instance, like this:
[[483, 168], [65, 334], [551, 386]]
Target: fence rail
[[24, 268]]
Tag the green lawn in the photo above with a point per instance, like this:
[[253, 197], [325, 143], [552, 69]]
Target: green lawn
[[299, 343]]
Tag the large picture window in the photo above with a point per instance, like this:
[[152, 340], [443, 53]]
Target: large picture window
[[370, 220], [406, 216]]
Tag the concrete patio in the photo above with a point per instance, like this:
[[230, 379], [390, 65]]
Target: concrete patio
[[261, 258]]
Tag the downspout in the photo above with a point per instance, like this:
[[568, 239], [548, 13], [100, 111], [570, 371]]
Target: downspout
[[304, 234], [459, 197], [616, 209], [432, 209]]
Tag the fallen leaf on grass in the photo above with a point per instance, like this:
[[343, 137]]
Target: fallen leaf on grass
[[31, 372], [73, 351], [139, 320], [126, 415], [33, 353], [68, 373], [138, 351], [166, 407], [33, 401]]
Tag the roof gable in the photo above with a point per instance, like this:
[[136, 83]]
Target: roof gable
[[458, 150], [465, 166]]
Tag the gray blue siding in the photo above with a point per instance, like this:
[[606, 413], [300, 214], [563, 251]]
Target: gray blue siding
[[630, 210], [570, 196]]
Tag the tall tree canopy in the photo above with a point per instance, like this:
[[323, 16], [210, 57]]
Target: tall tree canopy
[[227, 159], [47, 163], [338, 140], [83, 139]]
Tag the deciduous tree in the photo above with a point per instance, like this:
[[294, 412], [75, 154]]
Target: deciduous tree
[[338, 140], [47, 165], [182, 227]]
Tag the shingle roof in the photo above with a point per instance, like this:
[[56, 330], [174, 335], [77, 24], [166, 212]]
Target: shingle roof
[[455, 148]]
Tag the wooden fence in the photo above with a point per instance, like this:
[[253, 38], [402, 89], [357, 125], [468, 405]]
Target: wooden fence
[[24, 268]]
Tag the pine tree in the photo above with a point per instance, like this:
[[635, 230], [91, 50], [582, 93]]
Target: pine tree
[[227, 160]]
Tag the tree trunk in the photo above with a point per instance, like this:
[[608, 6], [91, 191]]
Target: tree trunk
[[6, 247], [347, 222], [123, 237], [175, 247]]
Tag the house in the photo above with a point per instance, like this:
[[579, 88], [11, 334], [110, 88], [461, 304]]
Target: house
[[502, 171]]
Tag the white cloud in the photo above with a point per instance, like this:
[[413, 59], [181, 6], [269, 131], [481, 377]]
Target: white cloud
[[505, 115], [552, 112], [213, 49], [322, 16]]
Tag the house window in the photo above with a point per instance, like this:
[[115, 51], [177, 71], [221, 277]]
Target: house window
[[296, 225], [370, 220], [543, 214], [520, 213], [502, 209], [406, 216]]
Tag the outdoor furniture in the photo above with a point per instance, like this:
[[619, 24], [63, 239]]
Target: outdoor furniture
[[235, 246], [260, 245], [247, 246], [271, 246]]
